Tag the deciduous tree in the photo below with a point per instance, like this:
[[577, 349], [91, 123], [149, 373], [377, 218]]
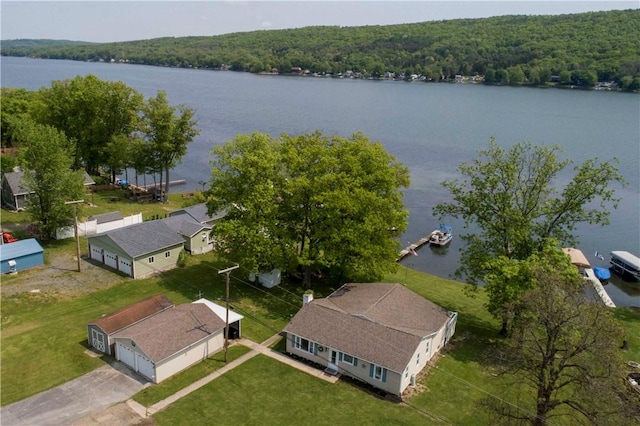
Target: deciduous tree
[[563, 354], [311, 203], [168, 130], [510, 199], [90, 112], [46, 159]]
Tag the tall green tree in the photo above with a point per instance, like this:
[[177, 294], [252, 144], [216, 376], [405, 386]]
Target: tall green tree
[[310, 203], [563, 355], [90, 112], [168, 130], [511, 200], [45, 156], [15, 103]]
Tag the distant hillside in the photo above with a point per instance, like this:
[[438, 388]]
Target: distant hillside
[[578, 49], [24, 43]]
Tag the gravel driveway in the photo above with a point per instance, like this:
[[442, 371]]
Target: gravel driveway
[[59, 277]]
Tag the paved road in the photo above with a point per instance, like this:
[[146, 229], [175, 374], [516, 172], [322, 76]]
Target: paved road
[[66, 404]]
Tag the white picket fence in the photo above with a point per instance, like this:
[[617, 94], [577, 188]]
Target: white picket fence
[[92, 227]]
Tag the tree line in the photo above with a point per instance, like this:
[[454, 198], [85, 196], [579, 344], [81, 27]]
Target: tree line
[[86, 124], [576, 49]]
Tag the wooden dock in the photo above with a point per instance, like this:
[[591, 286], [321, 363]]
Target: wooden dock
[[414, 246], [171, 183]]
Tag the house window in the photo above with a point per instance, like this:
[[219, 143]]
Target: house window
[[204, 236], [418, 359], [151, 259], [167, 254], [378, 373], [304, 345], [348, 359], [428, 344]]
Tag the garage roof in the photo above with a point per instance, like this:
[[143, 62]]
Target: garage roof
[[172, 330], [132, 313], [220, 311], [144, 238]]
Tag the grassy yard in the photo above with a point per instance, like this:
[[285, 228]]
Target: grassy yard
[[43, 344], [263, 391]]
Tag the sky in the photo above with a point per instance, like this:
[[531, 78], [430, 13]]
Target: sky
[[108, 21]]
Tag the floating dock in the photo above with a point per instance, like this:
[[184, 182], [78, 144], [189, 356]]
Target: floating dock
[[415, 246], [597, 285]]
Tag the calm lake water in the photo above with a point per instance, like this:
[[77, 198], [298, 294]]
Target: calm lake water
[[430, 128]]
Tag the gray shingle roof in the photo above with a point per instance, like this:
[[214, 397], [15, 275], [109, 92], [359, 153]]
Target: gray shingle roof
[[199, 213], [184, 225], [379, 323], [19, 186], [172, 330], [144, 238], [15, 180]]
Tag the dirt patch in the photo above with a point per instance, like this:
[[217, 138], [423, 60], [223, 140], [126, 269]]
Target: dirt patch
[[59, 279]]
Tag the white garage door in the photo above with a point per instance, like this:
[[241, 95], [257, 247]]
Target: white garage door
[[125, 266], [145, 366], [110, 259], [96, 253], [125, 355]]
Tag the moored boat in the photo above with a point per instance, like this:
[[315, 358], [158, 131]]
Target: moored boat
[[625, 264], [603, 274], [442, 236]]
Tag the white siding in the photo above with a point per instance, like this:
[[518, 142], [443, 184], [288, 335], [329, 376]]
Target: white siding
[[189, 356]]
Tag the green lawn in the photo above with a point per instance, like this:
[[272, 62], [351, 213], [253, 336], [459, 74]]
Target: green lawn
[[156, 393], [263, 391]]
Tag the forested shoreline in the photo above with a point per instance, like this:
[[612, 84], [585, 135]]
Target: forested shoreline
[[576, 49]]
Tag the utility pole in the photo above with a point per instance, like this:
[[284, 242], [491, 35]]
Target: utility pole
[[75, 227], [226, 328]]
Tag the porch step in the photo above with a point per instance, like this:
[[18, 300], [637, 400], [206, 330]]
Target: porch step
[[331, 371]]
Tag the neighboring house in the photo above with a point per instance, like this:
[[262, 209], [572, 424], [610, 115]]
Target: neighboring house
[[138, 250], [198, 241], [382, 334], [15, 191], [100, 332], [20, 255], [199, 213], [197, 236], [170, 341]]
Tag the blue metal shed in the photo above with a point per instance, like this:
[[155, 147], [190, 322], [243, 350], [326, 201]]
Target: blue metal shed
[[25, 253]]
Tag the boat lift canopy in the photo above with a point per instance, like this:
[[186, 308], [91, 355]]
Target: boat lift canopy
[[577, 257]]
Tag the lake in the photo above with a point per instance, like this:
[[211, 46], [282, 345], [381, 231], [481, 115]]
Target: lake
[[430, 128]]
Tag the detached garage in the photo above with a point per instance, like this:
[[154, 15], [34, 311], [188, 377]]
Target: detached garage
[[20, 255], [100, 332], [166, 343], [138, 250]]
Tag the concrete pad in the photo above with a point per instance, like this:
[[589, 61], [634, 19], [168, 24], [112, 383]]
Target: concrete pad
[[74, 400]]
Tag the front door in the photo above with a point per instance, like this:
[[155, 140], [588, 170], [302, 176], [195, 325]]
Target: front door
[[333, 360]]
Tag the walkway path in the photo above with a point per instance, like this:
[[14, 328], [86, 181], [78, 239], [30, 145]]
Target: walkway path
[[256, 348], [118, 413]]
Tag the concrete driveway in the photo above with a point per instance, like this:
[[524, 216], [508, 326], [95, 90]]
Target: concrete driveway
[[74, 400]]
